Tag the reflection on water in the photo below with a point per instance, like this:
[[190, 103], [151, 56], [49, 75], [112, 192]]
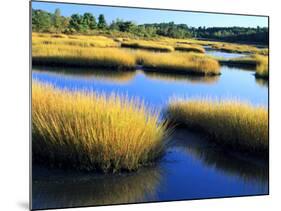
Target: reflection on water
[[192, 168], [170, 77], [222, 54], [262, 82], [70, 189], [233, 164], [156, 88], [120, 77]]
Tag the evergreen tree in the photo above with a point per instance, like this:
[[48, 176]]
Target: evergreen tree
[[102, 22], [89, 21], [75, 22]]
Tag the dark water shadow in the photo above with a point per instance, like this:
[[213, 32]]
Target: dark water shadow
[[262, 82], [117, 76], [171, 77], [237, 64], [56, 188], [245, 166], [121, 76]]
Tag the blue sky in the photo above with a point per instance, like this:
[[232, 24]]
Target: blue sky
[[141, 16]]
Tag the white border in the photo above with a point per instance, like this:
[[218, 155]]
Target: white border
[[14, 112]]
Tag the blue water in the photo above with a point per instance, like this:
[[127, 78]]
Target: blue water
[[221, 54], [207, 172], [224, 55], [157, 89], [192, 167]]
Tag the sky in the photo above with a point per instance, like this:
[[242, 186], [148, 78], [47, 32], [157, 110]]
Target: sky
[[141, 16]]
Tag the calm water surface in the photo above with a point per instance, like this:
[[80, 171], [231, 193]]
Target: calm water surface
[[155, 89], [221, 54], [192, 168]]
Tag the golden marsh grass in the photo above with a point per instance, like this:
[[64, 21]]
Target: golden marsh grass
[[230, 123], [89, 131], [147, 45], [64, 55], [262, 70], [190, 48], [73, 40], [239, 48], [258, 62], [58, 53], [176, 62]]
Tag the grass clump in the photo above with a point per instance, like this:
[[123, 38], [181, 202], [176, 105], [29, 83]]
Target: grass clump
[[147, 45], [71, 40], [63, 55], [257, 62], [190, 48], [238, 48], [74, 51], [229, 123], [262, 70], [89, 131], [244, 61], [184, 63]]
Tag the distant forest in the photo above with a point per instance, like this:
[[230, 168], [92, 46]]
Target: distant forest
[[87, 23]]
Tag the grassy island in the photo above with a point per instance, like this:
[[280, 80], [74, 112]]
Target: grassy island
[[89, 131], [229, 123]]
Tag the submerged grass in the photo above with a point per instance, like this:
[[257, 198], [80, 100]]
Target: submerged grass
[[89, 131], [185, 63], [229, 123]]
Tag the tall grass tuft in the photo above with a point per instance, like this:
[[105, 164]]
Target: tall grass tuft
[[185, 63], [262, 70], [89, 131], [230, 123]]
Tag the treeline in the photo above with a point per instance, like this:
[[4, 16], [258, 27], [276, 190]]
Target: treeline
[[232, 34], [43, 21]]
